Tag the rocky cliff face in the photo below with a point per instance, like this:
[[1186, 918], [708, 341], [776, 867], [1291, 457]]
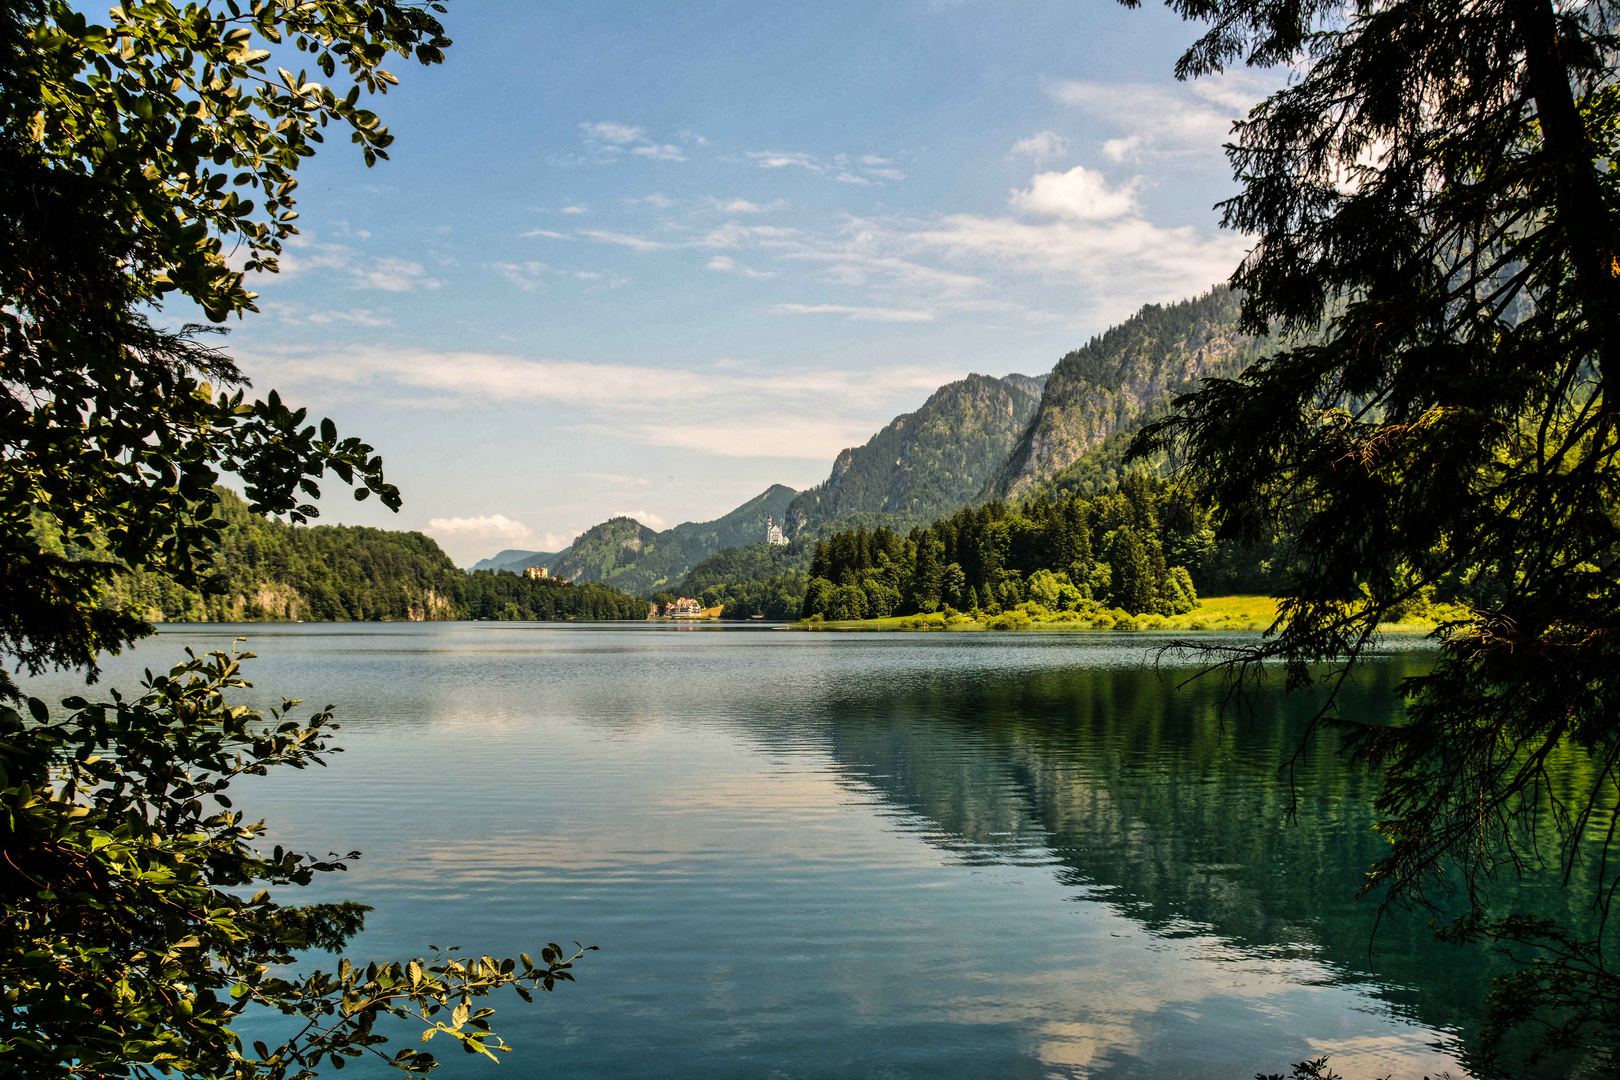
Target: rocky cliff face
[[928, 462], [1122, 379]]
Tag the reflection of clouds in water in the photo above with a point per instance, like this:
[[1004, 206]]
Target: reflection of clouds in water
[[739, 814]]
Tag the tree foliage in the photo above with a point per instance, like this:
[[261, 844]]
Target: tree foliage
[[264, 569], [1434, 196], [131, 155], [1127, 548], [128, 939]]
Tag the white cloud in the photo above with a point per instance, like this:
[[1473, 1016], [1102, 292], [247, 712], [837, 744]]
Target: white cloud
[[1123, 263], [748, 411], [1043, 145], [839, 168], [635, 243], [298, 315], [856, 314], [305, 254], [664, 152], [488, 527], [731, 235], [1078, 193], [609, 132], [657, 198], [576, 209], [727, 265], [782, 159], [607, 140], [527, 276], [1193, 118], [547, 233], [652, 521], [743, 206]]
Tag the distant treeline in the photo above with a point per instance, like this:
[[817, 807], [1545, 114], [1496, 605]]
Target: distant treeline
[[265, 569], [1141, 545]]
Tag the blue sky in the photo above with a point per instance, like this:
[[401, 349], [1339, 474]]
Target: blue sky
[[651, 258]]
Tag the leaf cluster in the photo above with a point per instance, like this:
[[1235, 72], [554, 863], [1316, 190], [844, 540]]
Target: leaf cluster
[[131, 936], [1436, 209]]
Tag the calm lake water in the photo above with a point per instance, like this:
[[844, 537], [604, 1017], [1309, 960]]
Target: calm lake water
[[858, 855]]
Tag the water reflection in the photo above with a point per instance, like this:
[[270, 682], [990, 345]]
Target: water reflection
[[809, 855]]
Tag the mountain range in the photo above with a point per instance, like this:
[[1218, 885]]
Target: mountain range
[[973, 440]]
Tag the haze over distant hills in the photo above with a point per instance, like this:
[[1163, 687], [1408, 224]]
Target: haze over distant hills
[[973, 440]]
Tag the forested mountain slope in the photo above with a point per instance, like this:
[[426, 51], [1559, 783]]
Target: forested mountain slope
[[634, 558], [928, 462], [264, 569], [1120, 380], [516, 560]]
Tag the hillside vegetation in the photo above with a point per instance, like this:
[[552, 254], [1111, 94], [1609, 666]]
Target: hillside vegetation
[[1122, 379], [631, 557], [1128, 549], [263, 569], [924, 463]]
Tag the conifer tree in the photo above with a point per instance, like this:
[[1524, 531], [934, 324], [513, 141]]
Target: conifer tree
[[1437, 218]]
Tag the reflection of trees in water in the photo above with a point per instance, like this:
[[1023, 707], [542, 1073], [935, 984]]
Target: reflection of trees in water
[[1147, 797]]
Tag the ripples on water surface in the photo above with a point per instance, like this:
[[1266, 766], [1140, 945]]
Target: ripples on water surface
[[821, 855]]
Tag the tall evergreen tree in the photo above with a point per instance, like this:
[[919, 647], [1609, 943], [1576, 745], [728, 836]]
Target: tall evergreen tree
[[1438, 214]]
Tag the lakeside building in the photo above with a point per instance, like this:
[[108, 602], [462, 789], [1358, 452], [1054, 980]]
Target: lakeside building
[[685, 607]]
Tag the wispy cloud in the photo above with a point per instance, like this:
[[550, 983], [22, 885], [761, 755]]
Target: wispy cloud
[[743, 206], [725, 264], [635, 243], [748, 411], [528, 276], [1042, 146], [608, 131], [298, 315], [783, 159], [487, 527], [660, 152], [838, 167], [1190, 119], [608, 139], [305, 254], [652, 521], [855, 314]]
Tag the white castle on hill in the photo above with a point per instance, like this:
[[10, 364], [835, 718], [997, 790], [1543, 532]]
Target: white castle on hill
[[773, 534]]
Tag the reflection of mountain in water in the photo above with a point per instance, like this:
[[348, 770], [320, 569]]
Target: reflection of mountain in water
[[1140, 795]]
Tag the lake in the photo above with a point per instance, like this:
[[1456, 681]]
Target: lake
[[855, 855]]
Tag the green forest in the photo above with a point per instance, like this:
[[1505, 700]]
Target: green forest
[[1139, 546], [265, 569], [1128, 549]]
